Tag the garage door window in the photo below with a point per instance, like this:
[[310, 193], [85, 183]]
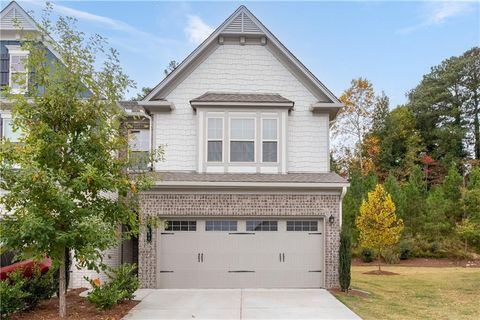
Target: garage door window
[[220, 225], [257, 225], [302, 225], [181, 225]]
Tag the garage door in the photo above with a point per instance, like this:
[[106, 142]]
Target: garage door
[[232, 253]]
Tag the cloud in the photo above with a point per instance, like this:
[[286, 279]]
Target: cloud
[[197, 30], [437, 13], [109, 23]]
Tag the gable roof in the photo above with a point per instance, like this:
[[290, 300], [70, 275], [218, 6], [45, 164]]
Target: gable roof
[[14, 17], [242, 22]]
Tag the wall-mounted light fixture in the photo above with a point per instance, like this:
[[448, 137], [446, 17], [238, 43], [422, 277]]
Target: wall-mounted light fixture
[[149, 233], [331, 219]]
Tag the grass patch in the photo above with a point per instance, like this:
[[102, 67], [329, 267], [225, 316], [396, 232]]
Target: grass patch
[[416, 293]]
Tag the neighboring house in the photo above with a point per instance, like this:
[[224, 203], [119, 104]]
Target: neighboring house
[[245, 189]]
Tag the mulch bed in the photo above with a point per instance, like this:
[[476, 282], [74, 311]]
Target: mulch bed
[[351, 292], [78, 308], [424, 262], [381, 273]]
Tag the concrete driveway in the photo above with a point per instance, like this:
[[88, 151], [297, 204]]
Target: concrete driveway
[[239, 304]]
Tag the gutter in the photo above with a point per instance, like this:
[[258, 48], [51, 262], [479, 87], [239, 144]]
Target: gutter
[[224, 184]]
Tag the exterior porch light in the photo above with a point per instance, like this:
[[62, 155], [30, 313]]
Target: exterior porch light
[[149, 233], [331, 219]]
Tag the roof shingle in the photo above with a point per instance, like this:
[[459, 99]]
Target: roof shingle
[[241, 97]]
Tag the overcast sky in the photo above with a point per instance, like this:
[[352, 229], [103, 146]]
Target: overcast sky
[[391, 43]]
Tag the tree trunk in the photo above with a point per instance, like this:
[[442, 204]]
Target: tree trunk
[[62, 307], [476, 126]]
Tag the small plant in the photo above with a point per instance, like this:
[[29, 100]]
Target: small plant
[[345, 260], [122, 285], [367, 255], [391, 255], [405, 249], [13, 298]]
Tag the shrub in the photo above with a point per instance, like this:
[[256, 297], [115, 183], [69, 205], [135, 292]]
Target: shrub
[[13, 298], [405, 249], [40, 286], [367, 255], [122, 285], [345, 260], [391, 255], [105, 297]]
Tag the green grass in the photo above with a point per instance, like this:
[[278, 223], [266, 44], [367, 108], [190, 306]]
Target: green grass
[[416, 293]]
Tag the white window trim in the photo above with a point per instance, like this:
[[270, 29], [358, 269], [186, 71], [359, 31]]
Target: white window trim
[[17, 51], [254, 140], [222, 140], [270, 140]]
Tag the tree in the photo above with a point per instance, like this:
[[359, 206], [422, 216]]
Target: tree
[[171, 66], [380, 113], [446, 108], [355, 119], [345, 259], [71, 189], [142, 94], [377, 222]]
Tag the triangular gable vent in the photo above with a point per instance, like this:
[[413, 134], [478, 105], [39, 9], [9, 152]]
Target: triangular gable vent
[[16, 18], [242, 24]]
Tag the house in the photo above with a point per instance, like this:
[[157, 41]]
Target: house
[[245, 191]]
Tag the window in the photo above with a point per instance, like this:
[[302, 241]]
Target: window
[[221, 225], [215, 139], [269, 140], [8, 133], [242, 140], [256, 225], [139, 149], [302, 225], [18, 73], [181, 225]]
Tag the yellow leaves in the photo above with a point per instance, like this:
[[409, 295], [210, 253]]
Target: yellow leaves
[[377, 222], [96, 283], [133, 186]]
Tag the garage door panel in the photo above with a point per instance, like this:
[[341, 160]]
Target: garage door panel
[[242, 258]]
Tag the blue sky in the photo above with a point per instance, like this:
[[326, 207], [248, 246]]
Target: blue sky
[[391, 43]]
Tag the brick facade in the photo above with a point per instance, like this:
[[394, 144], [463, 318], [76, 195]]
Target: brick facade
[[241, 205]]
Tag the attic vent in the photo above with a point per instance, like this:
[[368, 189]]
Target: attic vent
[[242, 24], [15, 19]]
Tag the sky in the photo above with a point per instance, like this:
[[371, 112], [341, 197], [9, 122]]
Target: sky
[[391, 43]]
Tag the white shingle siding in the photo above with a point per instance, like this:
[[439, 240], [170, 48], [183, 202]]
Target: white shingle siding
[[249, 68]]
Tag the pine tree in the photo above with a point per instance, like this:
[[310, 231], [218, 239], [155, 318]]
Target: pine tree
[[345, 259]]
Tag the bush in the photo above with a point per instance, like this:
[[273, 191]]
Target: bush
[[19, 293], [13, 298], [345, 260], [122, 285], [391, 255], [405, 249], [367, 255]]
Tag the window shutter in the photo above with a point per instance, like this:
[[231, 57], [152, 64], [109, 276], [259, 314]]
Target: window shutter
[[4, 69]]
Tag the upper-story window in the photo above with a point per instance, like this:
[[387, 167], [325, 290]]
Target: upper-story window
[[215, 140], [269, 140], [18, 73], [139, 149], [242, 140]]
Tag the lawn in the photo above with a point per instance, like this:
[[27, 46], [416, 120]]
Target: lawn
[[416, 293]]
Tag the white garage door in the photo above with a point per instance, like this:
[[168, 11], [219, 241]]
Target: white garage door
[[232, 253]]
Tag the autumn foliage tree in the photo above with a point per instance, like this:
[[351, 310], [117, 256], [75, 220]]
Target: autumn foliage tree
[[378, 225]]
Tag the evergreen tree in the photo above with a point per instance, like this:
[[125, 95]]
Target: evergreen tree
[[345, 259]]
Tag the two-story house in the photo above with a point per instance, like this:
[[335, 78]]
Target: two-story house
[[245, 189]]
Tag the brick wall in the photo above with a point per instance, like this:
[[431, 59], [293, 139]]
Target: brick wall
[[202, 205]]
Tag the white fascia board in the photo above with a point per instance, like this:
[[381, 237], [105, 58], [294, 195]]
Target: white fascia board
[[288, 105], [160, 105], [331, 108], [207, 184]]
